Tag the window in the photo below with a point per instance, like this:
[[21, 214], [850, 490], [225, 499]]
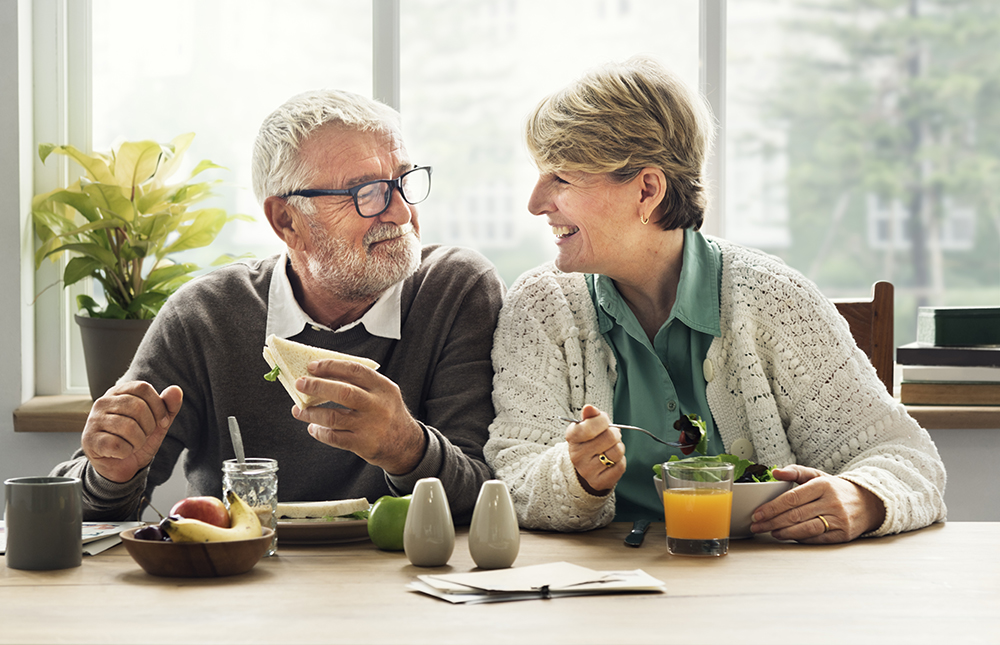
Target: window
[[218, 69], [470, 72], [814, 171]]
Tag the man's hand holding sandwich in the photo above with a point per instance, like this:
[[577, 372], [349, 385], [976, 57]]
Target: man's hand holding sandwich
[[373, 422]]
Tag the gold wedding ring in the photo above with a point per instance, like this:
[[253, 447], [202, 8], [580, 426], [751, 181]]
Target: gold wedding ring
[[604, 460], [826, 525]]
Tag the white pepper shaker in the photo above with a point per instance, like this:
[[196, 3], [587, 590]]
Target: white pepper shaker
[[429, 532], [494, 536]]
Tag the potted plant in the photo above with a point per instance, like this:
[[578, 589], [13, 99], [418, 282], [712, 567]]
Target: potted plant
[[122, 222]]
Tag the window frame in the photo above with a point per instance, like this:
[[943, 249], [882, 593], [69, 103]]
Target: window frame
[[62, 112]]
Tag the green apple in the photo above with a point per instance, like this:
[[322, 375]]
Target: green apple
[[386, 520]]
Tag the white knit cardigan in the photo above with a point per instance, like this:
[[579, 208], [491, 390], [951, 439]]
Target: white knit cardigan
[[786, 375]]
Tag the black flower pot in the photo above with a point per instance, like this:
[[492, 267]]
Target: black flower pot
[[108, 347]]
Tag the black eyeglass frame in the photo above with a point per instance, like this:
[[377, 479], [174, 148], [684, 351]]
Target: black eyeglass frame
[[396, 183]]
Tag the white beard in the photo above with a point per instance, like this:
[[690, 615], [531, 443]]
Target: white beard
[[355, 276]]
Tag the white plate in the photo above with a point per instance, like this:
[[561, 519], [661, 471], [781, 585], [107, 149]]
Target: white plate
[[320, 532]]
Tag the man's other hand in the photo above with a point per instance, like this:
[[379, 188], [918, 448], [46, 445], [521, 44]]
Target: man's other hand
[[126, 427]]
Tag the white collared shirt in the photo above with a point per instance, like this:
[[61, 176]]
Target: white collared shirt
[[285, 317]]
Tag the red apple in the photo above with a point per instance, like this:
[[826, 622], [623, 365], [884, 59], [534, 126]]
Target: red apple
[[207, 509]]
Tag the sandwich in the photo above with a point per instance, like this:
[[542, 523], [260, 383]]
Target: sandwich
[[347, 509], [289, 361]]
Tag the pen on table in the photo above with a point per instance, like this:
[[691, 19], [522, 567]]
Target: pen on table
[[638, 533]]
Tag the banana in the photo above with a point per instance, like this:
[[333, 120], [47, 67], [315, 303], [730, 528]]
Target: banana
[[243, 526]]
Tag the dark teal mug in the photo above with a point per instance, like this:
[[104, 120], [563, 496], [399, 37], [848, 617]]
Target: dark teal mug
[[44, 523]]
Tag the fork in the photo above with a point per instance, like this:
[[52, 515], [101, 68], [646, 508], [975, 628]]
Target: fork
[[672, 444]]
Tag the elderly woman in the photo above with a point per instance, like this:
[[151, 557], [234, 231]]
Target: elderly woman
[[642, 319]]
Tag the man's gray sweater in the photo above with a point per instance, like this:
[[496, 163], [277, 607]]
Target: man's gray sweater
[[208, 339]]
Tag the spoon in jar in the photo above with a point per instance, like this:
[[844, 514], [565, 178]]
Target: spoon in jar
[[672, 444], [234, 433]]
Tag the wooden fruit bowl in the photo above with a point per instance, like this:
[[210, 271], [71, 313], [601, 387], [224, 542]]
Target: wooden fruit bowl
[[197, 559]]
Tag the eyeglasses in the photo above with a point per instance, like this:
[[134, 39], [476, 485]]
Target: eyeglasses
[[372, 198]]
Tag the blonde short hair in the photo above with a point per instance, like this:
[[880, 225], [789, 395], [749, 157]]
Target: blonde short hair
[[621, 118]]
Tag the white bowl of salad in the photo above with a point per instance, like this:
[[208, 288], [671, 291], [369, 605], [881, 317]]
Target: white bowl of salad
[[753, 484], [749, 491]]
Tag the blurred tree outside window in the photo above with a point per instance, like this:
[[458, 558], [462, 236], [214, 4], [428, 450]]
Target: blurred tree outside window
[[870, 130]]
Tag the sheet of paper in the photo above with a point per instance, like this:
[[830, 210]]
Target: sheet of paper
[[473, 597], [99, 530], [555, 575], [92, 532], [103, 544], [534, 582]]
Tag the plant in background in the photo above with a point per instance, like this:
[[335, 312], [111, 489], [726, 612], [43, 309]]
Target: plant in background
[[122, 221]]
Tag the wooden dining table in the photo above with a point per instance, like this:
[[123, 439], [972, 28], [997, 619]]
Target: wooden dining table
[[938, 585]]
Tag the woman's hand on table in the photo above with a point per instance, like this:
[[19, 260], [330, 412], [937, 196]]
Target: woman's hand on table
[[589, 441], [849, 510]]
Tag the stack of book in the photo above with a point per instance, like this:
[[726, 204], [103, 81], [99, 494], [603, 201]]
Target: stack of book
[[956, 360]]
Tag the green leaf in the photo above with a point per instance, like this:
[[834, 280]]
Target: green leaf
[[201, 232], [88, 303], [203, 165], [79, 268], [693, 430], [94, 310], [192, 193], [47, 223], [273, 374], [135, 163], [177, 149], [90, 227], [150, 301], [227, 258], [81, 202], [44, 150], [95, 251], [53, 246], [153, 201], [170, 286], [162, 275], [110, 201], [95, 165], [113, 310], [739, 465]]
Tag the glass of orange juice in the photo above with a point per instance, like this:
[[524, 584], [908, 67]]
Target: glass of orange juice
[[697, 503]]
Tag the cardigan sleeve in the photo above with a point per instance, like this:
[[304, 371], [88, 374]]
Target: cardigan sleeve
[[795, 383], [540, 365], [847, 424]]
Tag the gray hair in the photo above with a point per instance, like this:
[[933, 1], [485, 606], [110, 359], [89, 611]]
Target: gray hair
[[277, 169]]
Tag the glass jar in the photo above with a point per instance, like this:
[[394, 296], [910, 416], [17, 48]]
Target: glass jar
[[256, 482]]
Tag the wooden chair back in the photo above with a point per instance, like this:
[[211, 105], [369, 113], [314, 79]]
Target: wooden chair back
[[871, 324]]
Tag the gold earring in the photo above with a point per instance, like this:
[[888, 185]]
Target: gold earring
[[644, 220]]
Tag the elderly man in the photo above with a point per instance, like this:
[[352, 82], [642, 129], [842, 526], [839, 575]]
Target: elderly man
[[338, 187]]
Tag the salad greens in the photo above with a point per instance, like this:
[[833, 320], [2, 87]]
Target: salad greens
[[356, 515], [694, 431], [273, 374]]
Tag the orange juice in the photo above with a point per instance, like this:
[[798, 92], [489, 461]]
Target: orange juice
[[697, 513]]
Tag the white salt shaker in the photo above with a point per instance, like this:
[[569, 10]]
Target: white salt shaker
[[494, 537], [429, 533]]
